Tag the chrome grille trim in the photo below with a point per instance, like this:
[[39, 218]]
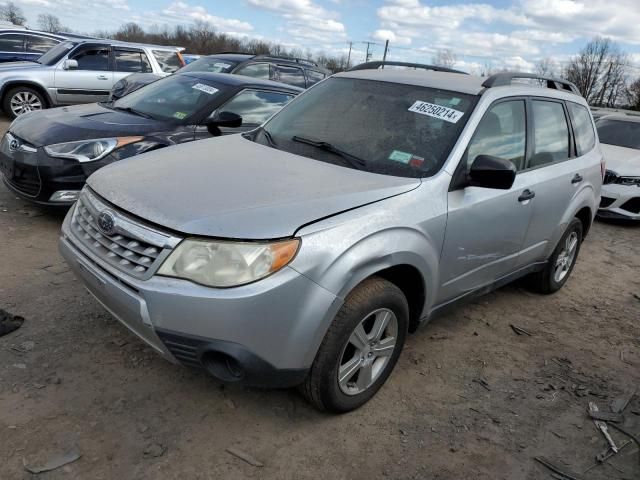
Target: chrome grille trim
[[133, 248]]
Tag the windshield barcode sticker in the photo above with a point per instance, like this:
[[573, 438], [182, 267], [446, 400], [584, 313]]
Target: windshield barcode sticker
[[436, 111], [205, 88]]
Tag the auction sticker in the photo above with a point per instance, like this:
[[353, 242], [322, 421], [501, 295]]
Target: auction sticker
[[205, 88], [436, 111], [222, 65]]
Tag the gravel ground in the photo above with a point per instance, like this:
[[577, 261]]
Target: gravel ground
[[469, 397]]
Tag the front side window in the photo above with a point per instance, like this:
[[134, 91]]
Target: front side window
[[255, 106], [131, 61], [501, 133], [11, 43], [618, 132], [255, 70], [93, 59], [56, 54], [289, 75], [380, 127], [169, 61], [582, 128], [210, 64], [38, 44], [550, 133], [175, 98]]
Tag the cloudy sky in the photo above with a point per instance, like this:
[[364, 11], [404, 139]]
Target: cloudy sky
[[500, 33]]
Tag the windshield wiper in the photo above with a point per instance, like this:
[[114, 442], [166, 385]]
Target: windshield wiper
[[133, 111], [355, 162]]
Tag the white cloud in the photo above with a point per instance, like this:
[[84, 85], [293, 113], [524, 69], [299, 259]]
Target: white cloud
[[180, 12], [384, 35]]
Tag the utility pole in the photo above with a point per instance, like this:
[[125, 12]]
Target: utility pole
[[386, 49], [368, 56], [349, 56]]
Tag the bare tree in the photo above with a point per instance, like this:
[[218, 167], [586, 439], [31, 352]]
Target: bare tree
[[633, 94], [444, 58], [49, 23], [599, 71], [11, 12], [546, 67]]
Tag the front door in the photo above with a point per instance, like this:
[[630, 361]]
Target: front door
[[90, 82], [486, 227]]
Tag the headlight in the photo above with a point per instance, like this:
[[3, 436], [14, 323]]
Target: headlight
[[89, 150], [609, 177], [227, 264]]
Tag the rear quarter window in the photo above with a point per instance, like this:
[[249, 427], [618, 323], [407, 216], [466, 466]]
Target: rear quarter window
[[582, 128], [169, 61]]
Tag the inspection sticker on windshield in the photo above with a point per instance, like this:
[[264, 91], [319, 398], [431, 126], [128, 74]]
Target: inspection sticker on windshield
[[436, 111], [221, 65], [180, 115], [205, 88]]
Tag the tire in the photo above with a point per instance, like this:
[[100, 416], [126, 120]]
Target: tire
[[548, 281], [31, 100], [368, 305]]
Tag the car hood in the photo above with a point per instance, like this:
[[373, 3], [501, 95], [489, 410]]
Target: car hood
[[624, 161], [80, 122], [231, 187], [13, 66]]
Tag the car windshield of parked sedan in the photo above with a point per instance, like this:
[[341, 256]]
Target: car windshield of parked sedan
[[380, 127], [175, 98], [55, 54], [209, 64], [619, 133]]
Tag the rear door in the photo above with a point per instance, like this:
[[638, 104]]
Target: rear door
[[12, 47], [129, 60], [91, 81], [560, 165], [486, 227]]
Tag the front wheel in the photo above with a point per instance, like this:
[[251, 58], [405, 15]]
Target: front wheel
[[561, 262], [360, 348], [21, 100]]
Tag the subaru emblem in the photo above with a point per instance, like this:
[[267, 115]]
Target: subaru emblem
[[106, 222]]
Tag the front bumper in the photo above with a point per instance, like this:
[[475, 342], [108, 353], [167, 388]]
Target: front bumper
[[268, 328], [620, 202]]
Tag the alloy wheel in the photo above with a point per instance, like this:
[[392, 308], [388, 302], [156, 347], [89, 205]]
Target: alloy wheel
[[566, 257], [367, 351], [23, 102]]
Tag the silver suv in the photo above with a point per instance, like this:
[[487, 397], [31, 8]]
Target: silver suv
[[79, 71], [302, 253]]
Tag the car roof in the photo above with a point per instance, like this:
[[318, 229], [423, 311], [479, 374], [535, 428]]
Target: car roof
[[623, 117], [26, 31], [457, 82], [233, 57], [119, 43], [241, 81], [243, 57]]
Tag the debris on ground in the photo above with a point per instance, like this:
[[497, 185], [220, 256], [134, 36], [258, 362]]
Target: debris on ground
[[54, 462], [154, 450], [519, 330], [244, 456], [602, 426], [554, 468], [619, 404], [9, 322], [483, 383]]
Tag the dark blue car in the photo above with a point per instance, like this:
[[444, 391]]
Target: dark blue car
[[21, 44]]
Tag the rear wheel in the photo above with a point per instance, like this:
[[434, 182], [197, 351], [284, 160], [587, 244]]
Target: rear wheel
[[561, 262], [21, 100], [360, 348]]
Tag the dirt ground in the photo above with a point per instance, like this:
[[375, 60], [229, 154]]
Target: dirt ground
[[468, 399]]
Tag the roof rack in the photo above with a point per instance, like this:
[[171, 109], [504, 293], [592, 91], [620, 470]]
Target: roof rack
[[506, 78], [380, 64], [291, 59]]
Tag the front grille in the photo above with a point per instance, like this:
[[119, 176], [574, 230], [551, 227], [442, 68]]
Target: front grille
[[183, 348], [606, 201], [628, 181], [26, 180], [133, 248], [632, 205]]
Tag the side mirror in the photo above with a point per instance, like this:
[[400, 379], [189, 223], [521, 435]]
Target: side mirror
[[492, 172], [70, 64], [224, 119]]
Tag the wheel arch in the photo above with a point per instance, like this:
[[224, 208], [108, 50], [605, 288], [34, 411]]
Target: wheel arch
[[26, 83]]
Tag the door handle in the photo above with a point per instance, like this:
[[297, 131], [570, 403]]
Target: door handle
[[103, 77], [577, 178], [526, 195]]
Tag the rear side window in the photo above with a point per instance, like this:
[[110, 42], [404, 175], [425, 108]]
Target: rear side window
[[501, 133], [169, 61], [37, 44], [255, 70], [131, 61], [314, 77], [550, 133], [12, 43], [254, 106], [582, 128], [93, 59], [289, 75]]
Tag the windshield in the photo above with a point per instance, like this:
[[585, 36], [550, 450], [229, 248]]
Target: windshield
[[619, 133], [176, 98], [209, 64], [54, 55], [380, 127]]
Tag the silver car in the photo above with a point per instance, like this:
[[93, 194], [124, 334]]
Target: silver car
[[79, 71], [303, 252]]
